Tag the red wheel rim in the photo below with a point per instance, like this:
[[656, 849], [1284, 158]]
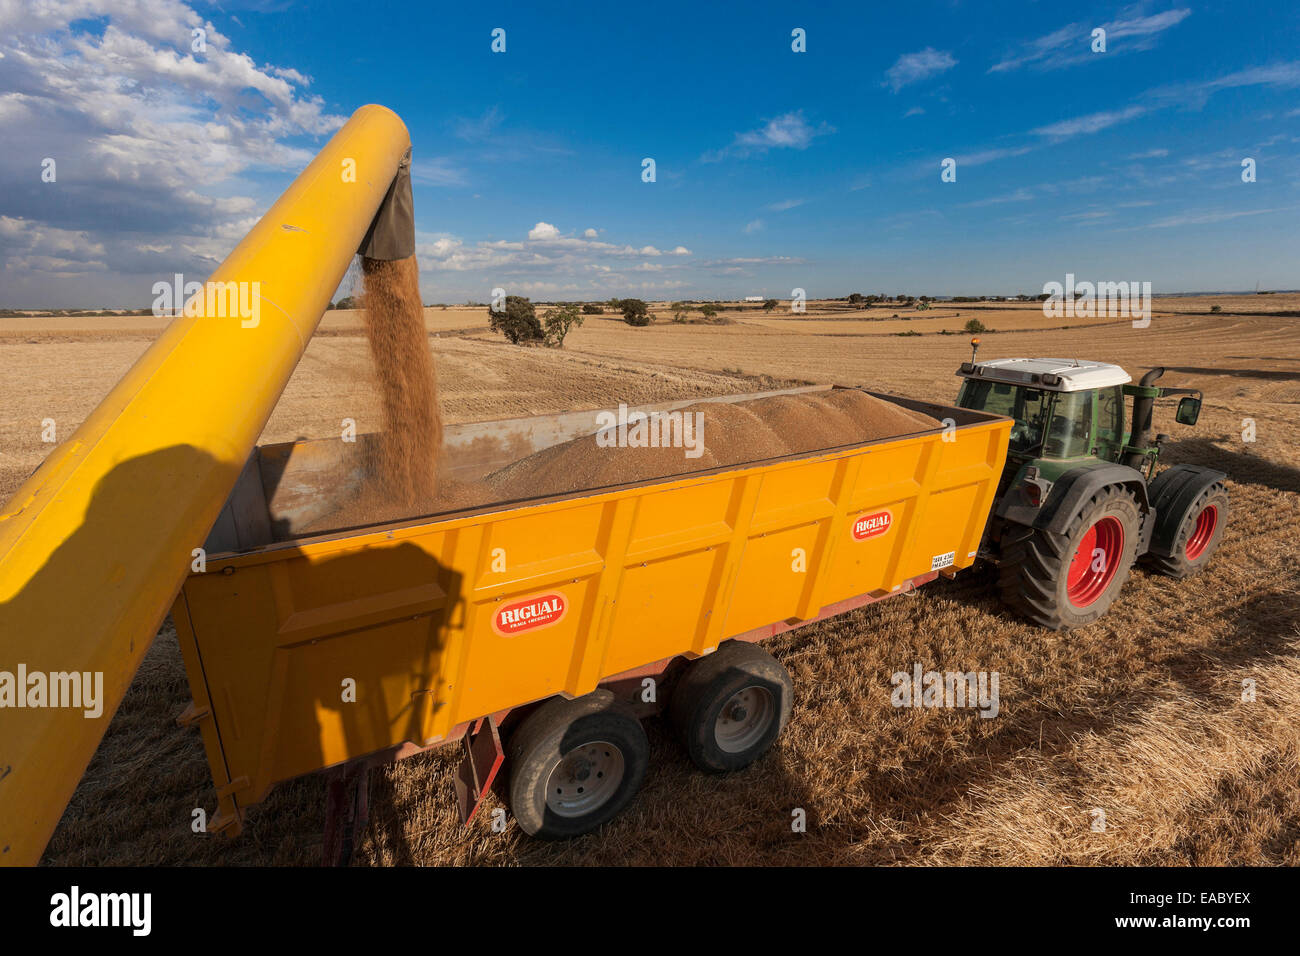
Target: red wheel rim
[[1206, 522], [1095, 561]]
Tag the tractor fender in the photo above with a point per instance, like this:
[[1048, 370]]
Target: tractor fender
[[1172, 492], [1076, 486]]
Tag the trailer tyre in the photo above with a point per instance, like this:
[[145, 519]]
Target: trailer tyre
[[729, 708], [1061, 581], [1197, 537], [574, 764]]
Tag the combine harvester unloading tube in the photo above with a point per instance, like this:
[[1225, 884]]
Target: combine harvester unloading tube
[[95, 545]]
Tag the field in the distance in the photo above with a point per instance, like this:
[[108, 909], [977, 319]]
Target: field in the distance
[[1139, 715]]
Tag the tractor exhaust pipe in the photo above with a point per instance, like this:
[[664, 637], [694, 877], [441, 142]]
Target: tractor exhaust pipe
[[1142, 409]]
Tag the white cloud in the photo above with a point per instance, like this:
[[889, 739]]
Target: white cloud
[[752, 227], [914, 67], [590, 234], [788, 131], [543, 231], [785, 204], [1202, 219], [1072, 43], [150, 139], [989, 155], [479, 128], [1092, 123], [1019, 195]]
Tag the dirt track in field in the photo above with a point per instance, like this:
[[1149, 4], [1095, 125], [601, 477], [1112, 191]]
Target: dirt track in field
[[1139, 715]]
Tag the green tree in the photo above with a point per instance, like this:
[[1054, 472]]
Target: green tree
[[974, 326], [558, 322], [708, 310], [517, 321], [769, 305], [635, 312], [591, 308]]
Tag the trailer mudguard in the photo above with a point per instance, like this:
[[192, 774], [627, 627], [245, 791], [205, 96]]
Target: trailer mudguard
[[1172, 492], [1077, 485]]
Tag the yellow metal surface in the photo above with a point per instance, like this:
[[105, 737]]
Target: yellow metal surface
[[310, 653], [94, 546]]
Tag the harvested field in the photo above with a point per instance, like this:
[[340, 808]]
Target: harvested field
[[1139, 715]]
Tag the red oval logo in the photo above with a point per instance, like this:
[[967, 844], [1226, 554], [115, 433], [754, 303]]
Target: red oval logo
[[526, 615], [872, 525]]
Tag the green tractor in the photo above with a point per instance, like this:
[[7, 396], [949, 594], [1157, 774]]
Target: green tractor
[[1077, 505]]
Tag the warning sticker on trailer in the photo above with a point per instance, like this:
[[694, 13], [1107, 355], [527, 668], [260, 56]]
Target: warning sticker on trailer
[[942, 560]]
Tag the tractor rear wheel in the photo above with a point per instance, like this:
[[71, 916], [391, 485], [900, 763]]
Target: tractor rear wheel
[[1060, 581], [1198, 535]]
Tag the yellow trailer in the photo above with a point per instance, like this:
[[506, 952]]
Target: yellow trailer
[[537, 619]]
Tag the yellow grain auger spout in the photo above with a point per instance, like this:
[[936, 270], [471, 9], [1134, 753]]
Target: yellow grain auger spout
[[95, 545]]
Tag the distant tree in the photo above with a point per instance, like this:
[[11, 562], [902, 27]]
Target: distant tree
[[1216, 308], [592, 308], [857, 298], [635, 312], [974, 326], [769, 305], [709, 311], [348, 302], [517, 321], [1043, 297], [558, 322]]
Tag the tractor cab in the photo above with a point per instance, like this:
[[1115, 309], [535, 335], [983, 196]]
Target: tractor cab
[[1063, 410], [1068, 411]]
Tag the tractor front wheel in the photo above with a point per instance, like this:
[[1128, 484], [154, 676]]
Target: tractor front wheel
[[1061, 581], [1196, 536]]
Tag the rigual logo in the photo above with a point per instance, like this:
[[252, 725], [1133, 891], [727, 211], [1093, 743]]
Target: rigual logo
[[530, 613], [872, 525]]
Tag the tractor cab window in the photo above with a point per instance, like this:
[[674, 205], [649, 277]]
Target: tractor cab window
[[1070, 433], [1028, 406]]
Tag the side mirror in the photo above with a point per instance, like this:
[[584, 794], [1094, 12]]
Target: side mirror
[[1189, 410]]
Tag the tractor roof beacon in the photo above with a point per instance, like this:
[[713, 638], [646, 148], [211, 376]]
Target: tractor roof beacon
[[1079, 501]]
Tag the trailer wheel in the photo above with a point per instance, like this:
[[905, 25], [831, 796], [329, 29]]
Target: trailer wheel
[[1060, 581], [574, 764], [1197, 537], [729, 707]]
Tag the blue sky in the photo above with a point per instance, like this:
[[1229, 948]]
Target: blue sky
[[775, 169]]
